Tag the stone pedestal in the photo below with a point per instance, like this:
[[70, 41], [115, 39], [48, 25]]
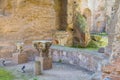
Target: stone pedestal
[[37, 69], [40, 59], [42, 47], [19, 58], [46, 62]]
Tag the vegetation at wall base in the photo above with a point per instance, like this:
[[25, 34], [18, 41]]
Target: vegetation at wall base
[[5, 75]]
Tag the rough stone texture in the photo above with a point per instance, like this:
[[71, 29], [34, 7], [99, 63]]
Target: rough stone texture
[[37, 68], [19, 58], [47, 63], [89, 60], [6, 49], [27, 19], [45, 59], [93, 10], [31, 52], [60, 38], [112, 69], [101, 50], [81, 31], [61, 16], [113, 35]]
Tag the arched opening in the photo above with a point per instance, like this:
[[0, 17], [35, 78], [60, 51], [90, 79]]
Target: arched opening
[[61, 14]]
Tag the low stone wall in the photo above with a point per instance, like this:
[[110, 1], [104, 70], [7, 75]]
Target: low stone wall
[[90, 60]]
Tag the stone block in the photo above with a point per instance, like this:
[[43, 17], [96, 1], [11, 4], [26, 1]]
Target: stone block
[[19, 58], [47, 63], [41, 61], [37, 68], [101, 50]]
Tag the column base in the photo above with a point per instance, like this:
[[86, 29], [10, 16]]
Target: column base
[[19, 58], [46, 62], [37, 68]]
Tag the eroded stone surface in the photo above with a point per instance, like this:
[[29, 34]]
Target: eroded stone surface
[[112, 70], [28, 19], [87, 59]]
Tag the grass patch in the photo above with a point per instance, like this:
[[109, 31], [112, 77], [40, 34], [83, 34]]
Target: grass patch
[[100, 34], [94, 45], [87, 48], [91, 46], [5, 75], [91, 49], [60, 61]]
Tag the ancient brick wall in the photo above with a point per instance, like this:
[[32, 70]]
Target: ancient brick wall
[[27, 20], [112, 70]]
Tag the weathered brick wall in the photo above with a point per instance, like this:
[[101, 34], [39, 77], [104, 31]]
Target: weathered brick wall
[[112, 70], [27, 20]]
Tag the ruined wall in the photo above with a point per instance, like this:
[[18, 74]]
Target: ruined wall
[[26, 20], [96, 12], [23, 19], [61, 14], [112, 70], [77, 57]]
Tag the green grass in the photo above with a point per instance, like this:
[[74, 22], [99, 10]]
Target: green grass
[[90, 48], [94, 45], [5, 75], [87, 48], [100, 34]]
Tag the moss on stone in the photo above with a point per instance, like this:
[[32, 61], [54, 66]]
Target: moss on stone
[[81, 22]]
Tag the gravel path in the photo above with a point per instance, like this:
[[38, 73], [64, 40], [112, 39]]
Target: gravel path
[[58, 72]]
